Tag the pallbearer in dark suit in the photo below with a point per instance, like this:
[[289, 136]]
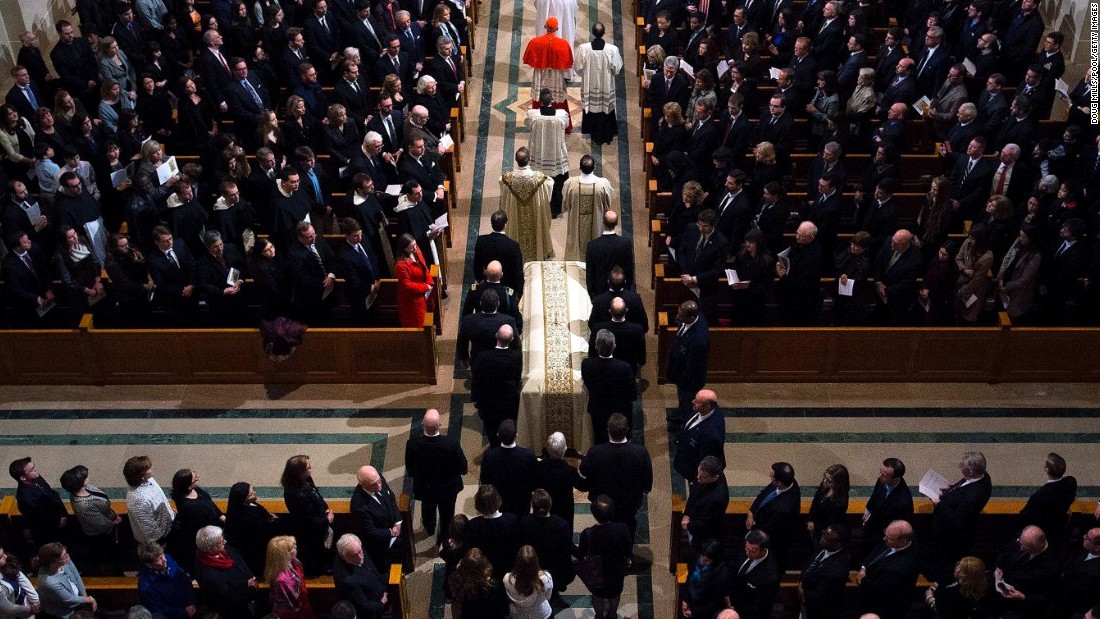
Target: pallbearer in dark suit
[[497, 246], [609, 383], [495, 383], [436, 463], [375, 517], [606, 252]]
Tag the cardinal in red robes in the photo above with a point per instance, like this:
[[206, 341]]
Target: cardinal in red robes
[[552, 59]]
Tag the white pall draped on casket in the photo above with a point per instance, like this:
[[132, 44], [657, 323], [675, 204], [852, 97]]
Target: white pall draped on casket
[[555, 308]]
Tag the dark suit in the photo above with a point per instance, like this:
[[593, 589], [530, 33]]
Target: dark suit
[[706, 510], [849, 71], [1048, 508], [629, 343], [992, 111], [1018, 42], [880, 220], [558, 478], [359, 272], [477, 333], [601, 308], [497, 538], [904, 91], [604, 253], [825, 214], [24, 285], [828, 45], [288, 65], [662, 91], [372, 519], [886, 61], [508, 302], [510, 470], [552, 539], [212, 280], [622, 471], [359, 103], [706, 438], [688, 357], [1016, 131], [707, 262], [17, 99], [778, 516], [389, 145], [448, 80], [736, 134], [752, 591], [405, 68], [307, 276], [496, 376], [413, 43], [780, 133], [800, 290], [427, 172], [900, 280], [734, 218], [703, 139], [1033, 575], [955, 520], [171, 279], [770, 219], [361, 585], [959, 135], [610, 386], [215, 75], [823, 582], [321, 43], [497, 246], [972, 189], [930, 77], [75, 64], [884, 508], [887, 589], [1078, 587], [242, 107], [436, 464], [370, 45]]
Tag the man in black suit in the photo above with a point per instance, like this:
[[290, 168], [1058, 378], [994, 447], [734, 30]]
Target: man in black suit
[[849, 69], [173, 271], [616, 288], [620, 469], [778, 128], [880, 217], [828, 42], [24, 94], [128, 35], [964, 130], [246, 98], [702, 256], [293, 56], [606, 252], [609, 383], [1048, 506], [735, 130], [1027, 571], [703, 435], [75, 63], [771, 216], [891, 132], [733, 213], [357, 580], [666, 86], [375, 516], [886, 59], [829, 163], [394, 60], [15, 216], [310, 265], [824, 211], [314, 187], [436, 463], [353, 92], [889, 575], [357, 264], [1078, 585], [1062, 266], [495, 377], [497, 246], [971, 178], [1038, 87], [738, 28], [447, 69], [1020, 38], [224, 299], [30, 56], [933, 64], [704, 138], [708, 497], [509, 469], [389, 124], [805, 67], [629, 337], [322, 40], [755, 577], [477, 332], [775, 510], [289, 207], [903, 89], [955, 517], [28, 277], [897, 266], [377, 164], [365, 33], [214, 69], [799, 286], [688, 357], [1018, 128], [492, 280], [824, 578], [890, 500], [422, 165]]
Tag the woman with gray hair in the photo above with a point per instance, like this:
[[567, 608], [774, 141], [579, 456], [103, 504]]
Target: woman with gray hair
[[225, 581], [860, 106], [427, 94]]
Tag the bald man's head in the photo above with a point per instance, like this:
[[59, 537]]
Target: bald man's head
[[369, 478], [618, 308], [431, 422], [610, 220], [899, 534], [494, 271], [729, 613], [505, 334]]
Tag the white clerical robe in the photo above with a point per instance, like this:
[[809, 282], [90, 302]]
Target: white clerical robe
[[565, 11], [549, 153], [525, 198], [598, 69], [586, 198]]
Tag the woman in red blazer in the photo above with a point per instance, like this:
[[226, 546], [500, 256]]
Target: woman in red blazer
[[414, 282]]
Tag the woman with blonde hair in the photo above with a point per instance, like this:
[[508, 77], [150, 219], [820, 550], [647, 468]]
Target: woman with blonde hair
[[968, 597], [301, 128], [283, 574], [528, 587], [392, 88]]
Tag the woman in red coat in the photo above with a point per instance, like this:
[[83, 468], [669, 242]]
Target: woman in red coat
[[414, 282]]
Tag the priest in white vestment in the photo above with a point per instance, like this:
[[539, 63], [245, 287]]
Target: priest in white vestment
[[525, 198], [585, 198], [565, 11], [598, 63], [549, 153]]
